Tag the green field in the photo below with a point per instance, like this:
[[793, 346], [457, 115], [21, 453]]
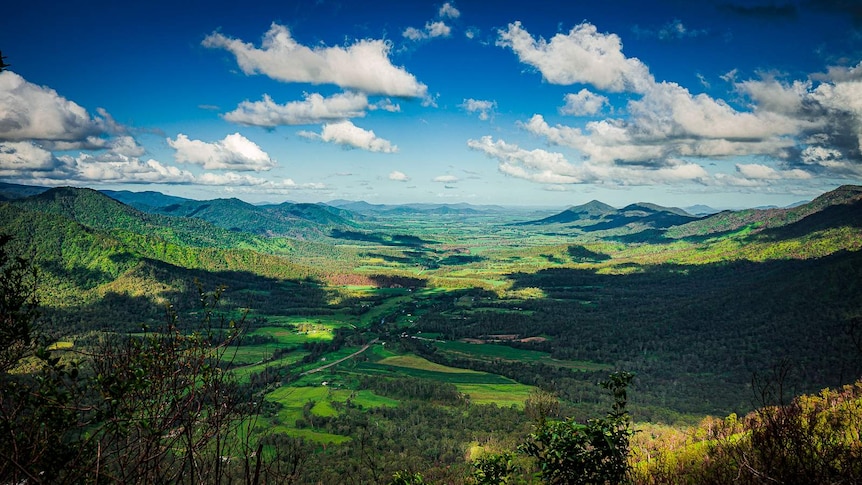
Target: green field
[[493, 351], [293, 399]]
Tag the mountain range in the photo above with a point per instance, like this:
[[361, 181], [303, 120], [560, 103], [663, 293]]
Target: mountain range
[[225, 222], [598, 216]]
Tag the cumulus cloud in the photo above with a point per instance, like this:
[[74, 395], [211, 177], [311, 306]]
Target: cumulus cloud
[[757, 171], [30, 164], [385, 105], [828, 114], [348, 135], [483, 107], [448, 11], [434, 28], [126, 145], [115, 168], [364, 66], [431, 30], [583, 103], [17, 157], [234, 152], [552, 168], [312, 110], [31, 112], [535, 165], [398, 176], [668, 121], [584, 56], [446, 179]]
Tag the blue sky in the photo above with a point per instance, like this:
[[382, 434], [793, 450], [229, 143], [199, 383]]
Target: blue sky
[[728, 103]]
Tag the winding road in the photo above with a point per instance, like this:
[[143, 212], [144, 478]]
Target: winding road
[[363, 349]]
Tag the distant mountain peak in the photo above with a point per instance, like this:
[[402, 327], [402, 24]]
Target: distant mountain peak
[[593, 208]]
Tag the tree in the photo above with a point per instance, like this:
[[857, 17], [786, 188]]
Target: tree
[[153, 408], [18, 307], [37, 416], [594, 453], [167, 408]]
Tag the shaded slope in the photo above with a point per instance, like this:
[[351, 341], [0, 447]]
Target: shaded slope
[[98, 211], [598, 216], [761, 219]]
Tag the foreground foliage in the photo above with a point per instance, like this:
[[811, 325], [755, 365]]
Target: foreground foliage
[[813, 439]]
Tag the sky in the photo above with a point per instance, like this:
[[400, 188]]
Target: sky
[[729, 103]]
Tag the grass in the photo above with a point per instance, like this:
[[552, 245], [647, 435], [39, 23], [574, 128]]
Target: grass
[[416, 362], [243, 372], [291, 336], [504, 395], [61, 345], [489, 352], [293, 399]]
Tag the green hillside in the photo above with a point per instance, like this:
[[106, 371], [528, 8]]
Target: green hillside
[[310, 221], [438, 329]]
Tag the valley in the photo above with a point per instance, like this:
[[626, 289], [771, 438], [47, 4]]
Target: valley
[[385, 338]]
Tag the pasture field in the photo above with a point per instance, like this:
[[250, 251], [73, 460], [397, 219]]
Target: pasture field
[[493, 351], [294, 399], [418, 363], [243, 372], [292, 336], [503, 395], [414, 366]]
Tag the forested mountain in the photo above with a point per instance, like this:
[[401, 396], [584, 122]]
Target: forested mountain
[[98, 211], [286, 219], [85, 239], [598, 216], [16, 191], [144, 201], [836, 208]]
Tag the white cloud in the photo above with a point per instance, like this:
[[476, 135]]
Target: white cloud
[[431, 30], [17, 157], [115, 168], [363, 66], [437, 29], [668, 121], [446, 179], [758, 171], [546, 167], [28, 163], [485, 108], [583, 103], [348, 135], [413, 33], [385, 105], [828, 117], [534, 165], [126, 145], [398, 176], [312, 110], [234, 152], [582, 56], [31, 112], [449, 11]]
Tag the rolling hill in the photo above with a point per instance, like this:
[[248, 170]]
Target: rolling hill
[[597, 216], [836, 208], [307, 221]]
